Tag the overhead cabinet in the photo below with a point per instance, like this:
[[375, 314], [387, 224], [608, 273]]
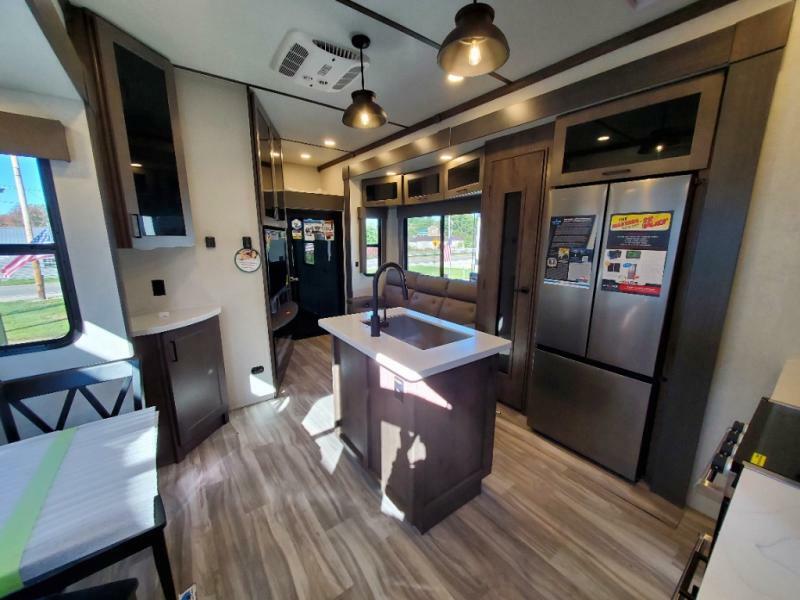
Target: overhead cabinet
[[423, 186], [382, 191], [140, 113], [463, 175], [668, 130]]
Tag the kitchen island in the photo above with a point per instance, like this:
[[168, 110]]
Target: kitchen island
[[417, 406]]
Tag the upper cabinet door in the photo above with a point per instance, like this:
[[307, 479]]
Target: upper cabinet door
[[141, 113], [382, 191], [423, 186], [668, 130], [463, 175]]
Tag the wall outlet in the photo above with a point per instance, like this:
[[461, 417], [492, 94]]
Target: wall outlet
[[159, 289], [211, 241]]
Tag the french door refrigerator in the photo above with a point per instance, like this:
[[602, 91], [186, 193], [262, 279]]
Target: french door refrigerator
[[610, 259]]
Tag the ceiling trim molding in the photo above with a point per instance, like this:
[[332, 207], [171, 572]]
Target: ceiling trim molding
[[673, 19], [270, 90], [406, 30]]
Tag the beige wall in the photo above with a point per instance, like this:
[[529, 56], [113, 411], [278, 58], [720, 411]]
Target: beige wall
[[303, 178], [216, 139], [762, 328]]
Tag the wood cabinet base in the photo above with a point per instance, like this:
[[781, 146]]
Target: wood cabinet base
[[429, 442]]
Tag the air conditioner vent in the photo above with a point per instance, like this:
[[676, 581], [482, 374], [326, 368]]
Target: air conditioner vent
[[336, 50], [293, 60], [322, 65]]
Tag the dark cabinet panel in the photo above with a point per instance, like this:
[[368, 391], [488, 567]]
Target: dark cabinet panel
[[667, 130], [463, 175], [184, 378], [423, 186], [140, 111], [382, 191]]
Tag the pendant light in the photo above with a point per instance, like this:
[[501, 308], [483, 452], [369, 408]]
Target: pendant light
[[364, 112], [476, 46]]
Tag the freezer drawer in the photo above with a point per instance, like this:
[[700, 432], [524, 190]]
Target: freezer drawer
[[640, 240], [594, 412], [575, 219]]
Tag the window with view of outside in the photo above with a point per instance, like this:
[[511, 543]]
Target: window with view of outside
[[32, 305], [444, 245], [373, 245]]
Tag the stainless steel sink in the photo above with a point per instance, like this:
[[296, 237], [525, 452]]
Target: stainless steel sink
[[420, 334]]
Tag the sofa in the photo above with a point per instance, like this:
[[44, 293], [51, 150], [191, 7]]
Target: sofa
[[449, 299]]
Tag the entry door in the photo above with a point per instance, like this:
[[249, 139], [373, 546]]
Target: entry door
[[512, 209], [318, 267]]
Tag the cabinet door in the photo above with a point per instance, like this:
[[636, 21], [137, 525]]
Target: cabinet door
[[463, 175], [196, 376], [423, 186], [141, 113], [382, 191]]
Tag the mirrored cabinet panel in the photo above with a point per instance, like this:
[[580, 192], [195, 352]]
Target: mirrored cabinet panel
[[141, 113]]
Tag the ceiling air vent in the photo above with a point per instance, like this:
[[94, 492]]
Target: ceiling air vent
[[318, 64]]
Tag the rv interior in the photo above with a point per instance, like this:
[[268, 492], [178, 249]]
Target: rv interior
[[333, 299]]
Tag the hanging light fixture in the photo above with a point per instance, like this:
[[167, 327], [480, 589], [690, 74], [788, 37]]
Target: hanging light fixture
[[476, 46], [364, 112]]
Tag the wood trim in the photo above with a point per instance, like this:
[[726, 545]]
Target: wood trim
[[24, 135], [55, 32], [687, 13], [710, 89], [346, 227], [706, 276], [692, 58], [310, 201]]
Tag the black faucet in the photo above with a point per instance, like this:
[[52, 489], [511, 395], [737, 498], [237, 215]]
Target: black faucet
[[375, 320]]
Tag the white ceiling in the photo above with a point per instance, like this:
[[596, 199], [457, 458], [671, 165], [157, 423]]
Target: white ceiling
[[239, 38], [28, 63]]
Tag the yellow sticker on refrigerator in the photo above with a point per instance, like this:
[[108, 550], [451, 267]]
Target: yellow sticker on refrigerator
[[758, 460]]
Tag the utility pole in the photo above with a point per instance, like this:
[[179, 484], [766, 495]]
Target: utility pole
[[26, 223]]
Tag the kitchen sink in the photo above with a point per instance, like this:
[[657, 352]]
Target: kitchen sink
[[420, 334]]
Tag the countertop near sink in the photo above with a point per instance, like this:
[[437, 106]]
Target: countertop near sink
[[405, 360], [160, 322]]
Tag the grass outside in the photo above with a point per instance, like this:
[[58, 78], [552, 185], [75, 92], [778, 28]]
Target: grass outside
[[433, 270], [26, 281], [34, 320]]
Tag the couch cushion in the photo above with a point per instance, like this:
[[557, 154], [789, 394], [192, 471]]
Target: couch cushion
[[393, 295], [462, 290], [426, 303], [393, 278], [458, 311], [436, 286]]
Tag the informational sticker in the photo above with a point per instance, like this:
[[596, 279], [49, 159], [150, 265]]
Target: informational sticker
[[758, 459], [247, 260], [636, 253], [327, 230], [297, 229], [570, 251], [308, 253], [313, 229]]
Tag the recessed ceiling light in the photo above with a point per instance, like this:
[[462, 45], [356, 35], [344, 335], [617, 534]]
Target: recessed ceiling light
[[329, 143], [305, 155], [390, 173], [453, 78], [446, 157], [604, 138], [136, 165], [659, 148]]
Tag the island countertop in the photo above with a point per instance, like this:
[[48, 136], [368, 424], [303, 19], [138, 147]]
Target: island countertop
[[407, 361]]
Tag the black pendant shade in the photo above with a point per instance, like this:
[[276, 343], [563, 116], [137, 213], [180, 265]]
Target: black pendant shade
[[476, 46], [363, 112]]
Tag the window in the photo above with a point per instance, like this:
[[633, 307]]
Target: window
[[444, 245], [372, 244], [37, 305]]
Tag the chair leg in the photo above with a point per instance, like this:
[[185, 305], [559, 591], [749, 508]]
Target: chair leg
[[162, 566]]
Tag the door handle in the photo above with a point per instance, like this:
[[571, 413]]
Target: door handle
[[293, 279], [522, 290], [174, 351]]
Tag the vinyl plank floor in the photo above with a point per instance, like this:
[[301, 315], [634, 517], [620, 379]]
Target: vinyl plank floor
[[273, 506]]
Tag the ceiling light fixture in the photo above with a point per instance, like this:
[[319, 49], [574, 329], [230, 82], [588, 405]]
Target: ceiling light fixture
[[136, 165], [476, 46], [453, 78], [446, 157], [604, 138], [364, 112], [329, 143], [305, 155], [390, 173]]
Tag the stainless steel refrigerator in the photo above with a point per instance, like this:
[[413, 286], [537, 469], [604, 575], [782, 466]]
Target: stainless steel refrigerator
[[608, 270]]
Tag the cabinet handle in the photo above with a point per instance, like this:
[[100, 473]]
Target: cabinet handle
[[135, 226], [174, 351]]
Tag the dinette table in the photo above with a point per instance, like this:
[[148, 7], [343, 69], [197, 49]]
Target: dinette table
[[75, 501]]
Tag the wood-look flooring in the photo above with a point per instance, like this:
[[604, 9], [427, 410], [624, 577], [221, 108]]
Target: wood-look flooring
[[272, 506]]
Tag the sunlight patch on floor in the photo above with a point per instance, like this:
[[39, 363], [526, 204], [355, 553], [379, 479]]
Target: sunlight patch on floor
[[320, 418]]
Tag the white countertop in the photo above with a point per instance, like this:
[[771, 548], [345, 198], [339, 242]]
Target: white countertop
[[168, 320], [757, 554], [405, 360]]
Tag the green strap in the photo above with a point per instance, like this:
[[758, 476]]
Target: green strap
[[17, 530]]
